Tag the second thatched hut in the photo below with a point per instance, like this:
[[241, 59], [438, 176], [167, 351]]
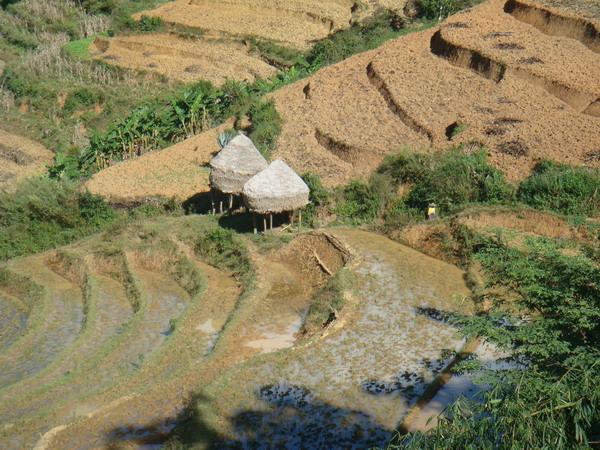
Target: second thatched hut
[[233, 166], [275, 190]]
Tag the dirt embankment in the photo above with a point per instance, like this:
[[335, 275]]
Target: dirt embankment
[[552, 20]]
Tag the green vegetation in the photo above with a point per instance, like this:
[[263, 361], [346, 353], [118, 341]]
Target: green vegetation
[[223, 249], [440, 9], [552, 400], [564, 189], [45, 213]]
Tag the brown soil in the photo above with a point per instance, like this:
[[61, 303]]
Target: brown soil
[[20, 158], [578, 20], [183, 58]]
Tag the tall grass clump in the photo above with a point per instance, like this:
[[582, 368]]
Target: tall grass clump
[[45, 213], [318, 198], [565, 189]]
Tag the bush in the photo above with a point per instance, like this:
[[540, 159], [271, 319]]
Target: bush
[[148, 24], [562, 188], [266, 126], [451, 179], [45, 213], [224, 250], [359, 202], [318, 197], [439, 9]]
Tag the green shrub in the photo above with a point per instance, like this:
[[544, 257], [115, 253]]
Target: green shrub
[[45, 213], [222, 249], [552, 400], [148, 24], [266, 126], [326, 303], [439, 9], [456, 179], [318, 197], [359, 202], [451, 179], [562, 188]]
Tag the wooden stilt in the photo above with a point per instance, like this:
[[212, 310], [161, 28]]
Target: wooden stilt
[[221, 207], [212, 202], [264, 224], [291, 217], [230, 202], [271, 220], [254, 223]]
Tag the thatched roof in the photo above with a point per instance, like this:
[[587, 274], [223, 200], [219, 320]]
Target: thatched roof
[[276, 189], [239, 161]]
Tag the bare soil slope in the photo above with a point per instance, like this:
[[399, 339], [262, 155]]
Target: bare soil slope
[[183, 58], [20, 158]]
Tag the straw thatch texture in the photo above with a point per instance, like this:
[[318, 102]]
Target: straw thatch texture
[[239, 161], [276, 189]]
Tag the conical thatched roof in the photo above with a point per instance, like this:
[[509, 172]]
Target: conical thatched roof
[[239, 161], [276, 189]]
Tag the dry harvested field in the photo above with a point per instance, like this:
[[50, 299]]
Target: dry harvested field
[[20, 158], [178, 172], [524, 94], [184, 59], [486, 75], [297, 23]]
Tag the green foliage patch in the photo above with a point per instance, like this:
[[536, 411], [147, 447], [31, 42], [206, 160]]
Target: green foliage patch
[[552, 400], [564, 189], [46, 213]]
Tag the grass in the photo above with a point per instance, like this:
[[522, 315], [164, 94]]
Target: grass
[[80, 48]]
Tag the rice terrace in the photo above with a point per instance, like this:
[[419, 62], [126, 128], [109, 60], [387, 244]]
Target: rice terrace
[[299, 224]]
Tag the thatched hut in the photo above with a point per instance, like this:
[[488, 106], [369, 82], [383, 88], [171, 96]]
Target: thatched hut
[[275, 190], [233, 166]]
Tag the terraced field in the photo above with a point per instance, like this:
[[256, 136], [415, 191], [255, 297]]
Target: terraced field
[[20, 158], [184, 59], [490, 75], [295, 23], [484, 75], [117, 339]]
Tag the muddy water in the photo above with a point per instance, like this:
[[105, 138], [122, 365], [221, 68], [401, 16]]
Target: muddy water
[[62, 323], [112, 312], [351, 389], [467, 385], [13, 320]]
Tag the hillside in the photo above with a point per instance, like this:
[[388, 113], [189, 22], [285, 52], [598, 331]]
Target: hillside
[[484, 76]]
